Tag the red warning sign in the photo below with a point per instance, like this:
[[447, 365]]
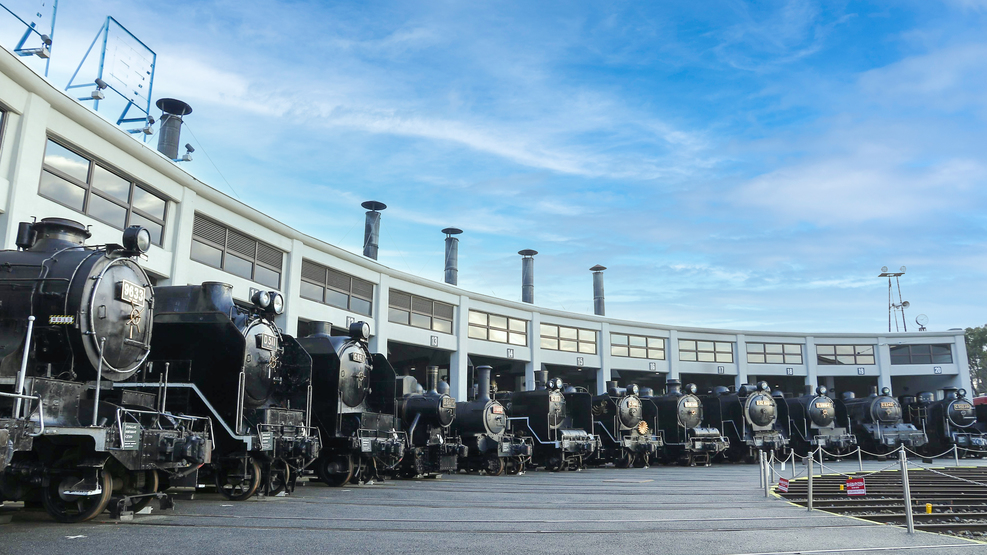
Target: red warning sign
[[783, 485], [856, 486]]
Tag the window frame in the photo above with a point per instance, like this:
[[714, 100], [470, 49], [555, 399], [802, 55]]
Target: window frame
[[90, 189], [859, 358], [558, 338], [648, 349], [896, 358], [719, 355], [411, 311], [785, 354], [487, 327], [326, 286], [225, 252]]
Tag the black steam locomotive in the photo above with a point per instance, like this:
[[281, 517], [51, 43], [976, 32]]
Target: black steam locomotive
[[234, 364], [816, 420], [949, 421], [556, 422], [626, 439], [677, 416], [353, 404], [75, 326], [482, 426], [877, 423], [747, 418], [426, 416]]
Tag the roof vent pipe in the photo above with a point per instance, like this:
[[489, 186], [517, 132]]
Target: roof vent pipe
[[528, 275], [452, 255], [598, 305], [171, 125], [371, 233]]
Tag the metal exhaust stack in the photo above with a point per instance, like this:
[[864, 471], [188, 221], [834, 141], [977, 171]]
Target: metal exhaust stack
[[432, 378], [171, 125], [598, 304], [483, 382], [452, 255], [528, 275], [371, 233], [541, 380]]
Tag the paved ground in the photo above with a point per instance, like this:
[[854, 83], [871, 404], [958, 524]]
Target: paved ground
[[717, 510]]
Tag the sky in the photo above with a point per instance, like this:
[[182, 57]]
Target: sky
[[738, 165]]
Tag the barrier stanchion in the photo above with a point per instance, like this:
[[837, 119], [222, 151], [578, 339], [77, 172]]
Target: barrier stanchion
[[768, 475], [809, 499], [956, 454], [907, 491], [860, 458], [760, 462]]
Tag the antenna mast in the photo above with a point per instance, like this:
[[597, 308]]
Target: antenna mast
[[894, 307]]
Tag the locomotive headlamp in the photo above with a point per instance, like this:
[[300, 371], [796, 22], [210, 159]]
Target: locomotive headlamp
[[961, 392], [691, 388], [136, 239], [262, 299], [633, 389], [762, 386], [821, 390], [277, 302], [886, 391], [360, 330], [555, 383]]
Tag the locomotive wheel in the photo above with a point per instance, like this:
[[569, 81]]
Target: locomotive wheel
[[278, 477], [335, 471], [493, 466], [515, 466], [148, 483], [67, 507], [236, 483], [554, 463], [625, 460], [642, 461]]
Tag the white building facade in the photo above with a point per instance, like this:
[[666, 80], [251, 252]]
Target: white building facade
[[59, 159]]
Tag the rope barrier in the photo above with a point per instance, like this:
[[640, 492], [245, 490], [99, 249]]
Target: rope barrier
[[921, 456], [934, 471]]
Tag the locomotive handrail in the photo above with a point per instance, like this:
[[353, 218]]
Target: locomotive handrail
[[41, 409], [600, 422], [192, 419], [527, 421]]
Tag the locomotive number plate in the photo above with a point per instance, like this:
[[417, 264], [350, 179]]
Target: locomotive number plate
[[357, 357], [266, 342], [633, 403], [448, 403], [130, 292], [497, 409], [961, 406], [887, 404], [763, 403], [824, 405], [554, 397], [689, 403]]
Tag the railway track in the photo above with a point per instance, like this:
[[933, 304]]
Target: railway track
[[944, 500]]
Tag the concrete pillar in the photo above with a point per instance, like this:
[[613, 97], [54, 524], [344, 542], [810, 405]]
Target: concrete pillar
[[27, 148], [606, 363], [291, 287], [673, 355], [534, 342], [378, 342], [181, 237], [809, 359], [962, 365], [883, 357], [741, 378], [459, 360]]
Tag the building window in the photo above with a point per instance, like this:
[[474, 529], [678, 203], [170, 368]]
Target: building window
[[921, 354], [774, 353], [572, 340], [88, 186], [637, 346], [845, 354], [332, 287], [420, 312], [501, 329], [218, 246], [692, 350]]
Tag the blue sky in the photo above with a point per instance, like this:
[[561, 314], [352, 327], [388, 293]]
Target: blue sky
[[734, 165]]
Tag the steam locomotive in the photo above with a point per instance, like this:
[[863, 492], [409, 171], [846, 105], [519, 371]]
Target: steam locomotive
[[233, 363], [626, 438], [354, 406], [747, 418], [877, 422], [678, 417], [816, 420], [556, 422], [949, 421], [75, 328], [482, 426], [426, 416]]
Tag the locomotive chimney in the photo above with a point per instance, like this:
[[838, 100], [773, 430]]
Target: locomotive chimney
[[432, 378], [452, 255], [673, 386], [541, 379], [171, 125], [25, 235], [371, 231], [321, 328], [873, 390], [483, 382], [598, 304], [528, 275], [809, 389]]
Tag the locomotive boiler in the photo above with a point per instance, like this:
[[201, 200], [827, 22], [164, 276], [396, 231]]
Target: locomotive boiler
[[626, 438], [677, 416], [949, 421], [482, 426], [747, 418], [557, 423], [233, 363], [426, 416], [877, 422], [75, 327], [353, 404], [817, 420]]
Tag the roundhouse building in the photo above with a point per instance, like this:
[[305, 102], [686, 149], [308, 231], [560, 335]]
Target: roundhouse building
[[59, 159]]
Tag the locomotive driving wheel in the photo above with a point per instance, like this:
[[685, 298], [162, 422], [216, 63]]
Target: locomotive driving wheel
[[493, 465], [278, 477], [515, 466], [238, 479], [335, 470], [68, 499]]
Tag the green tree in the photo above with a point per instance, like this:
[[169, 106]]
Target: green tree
[[976, 352]]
